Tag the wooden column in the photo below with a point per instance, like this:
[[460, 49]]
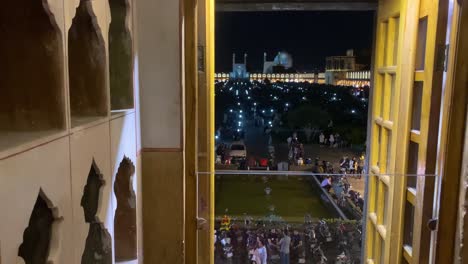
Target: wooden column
[[454, 145], [206, 130], [190, 129]]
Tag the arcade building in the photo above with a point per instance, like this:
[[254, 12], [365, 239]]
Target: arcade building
[[340, 70]]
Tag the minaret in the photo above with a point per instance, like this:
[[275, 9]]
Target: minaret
[[264, 57], [245, 59], [233, 60]]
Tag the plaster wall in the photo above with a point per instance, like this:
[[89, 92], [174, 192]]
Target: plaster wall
[[21, 178], [59, 163], [61, 169], [159, 59], [86, 146]]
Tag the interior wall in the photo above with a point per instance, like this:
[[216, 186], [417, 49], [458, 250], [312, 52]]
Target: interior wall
[[59, 163], [159, 55], [159, 105], [22, 176]]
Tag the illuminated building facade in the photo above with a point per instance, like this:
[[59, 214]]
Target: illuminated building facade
[[340, 70], [239, 70]]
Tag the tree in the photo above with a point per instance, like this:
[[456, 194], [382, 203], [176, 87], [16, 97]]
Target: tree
[[306, 114]]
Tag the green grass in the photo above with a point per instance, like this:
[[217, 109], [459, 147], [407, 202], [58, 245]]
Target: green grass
[[293, 197]]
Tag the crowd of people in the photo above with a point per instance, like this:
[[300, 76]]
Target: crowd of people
[[336, 181], [314, 241]]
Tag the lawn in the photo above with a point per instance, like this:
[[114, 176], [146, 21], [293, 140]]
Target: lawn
[[292, 197]]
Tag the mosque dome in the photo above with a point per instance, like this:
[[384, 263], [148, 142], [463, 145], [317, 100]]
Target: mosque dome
[[284, 59]]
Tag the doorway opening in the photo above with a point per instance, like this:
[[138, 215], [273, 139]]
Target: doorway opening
[[291, 110]]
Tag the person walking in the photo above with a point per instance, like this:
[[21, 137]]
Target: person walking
[[284, 245], [331, 139], [261, 253], [289, 140], [321, 139], [308, 132]]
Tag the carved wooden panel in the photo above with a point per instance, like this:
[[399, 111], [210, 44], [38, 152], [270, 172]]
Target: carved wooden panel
[[125, 214], [87, 64], [38, 234], [31, 68], [120, 56], [98, 247]]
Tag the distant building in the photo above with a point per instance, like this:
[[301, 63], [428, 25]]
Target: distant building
[[337, 67], [282, 63], [340, 70], [239, 70]]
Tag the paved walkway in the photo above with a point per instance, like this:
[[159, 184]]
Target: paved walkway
[[333, 155]]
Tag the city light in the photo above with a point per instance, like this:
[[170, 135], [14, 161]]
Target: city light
[[255, 103], [240, 111], [230, 110], [238, 103], [353, 111], [269, 122], [272, 110], [240, 116], [263, 111], [286, 104]]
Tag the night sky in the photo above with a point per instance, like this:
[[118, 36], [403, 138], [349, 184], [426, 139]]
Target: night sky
[[308, 36]]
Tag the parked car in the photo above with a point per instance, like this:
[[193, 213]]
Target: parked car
[[238, 151]]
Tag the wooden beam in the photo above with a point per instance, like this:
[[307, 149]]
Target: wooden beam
[[206, 130], [451, 169], [430, 117], [409, 13], [241, 6], [190, 129]]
